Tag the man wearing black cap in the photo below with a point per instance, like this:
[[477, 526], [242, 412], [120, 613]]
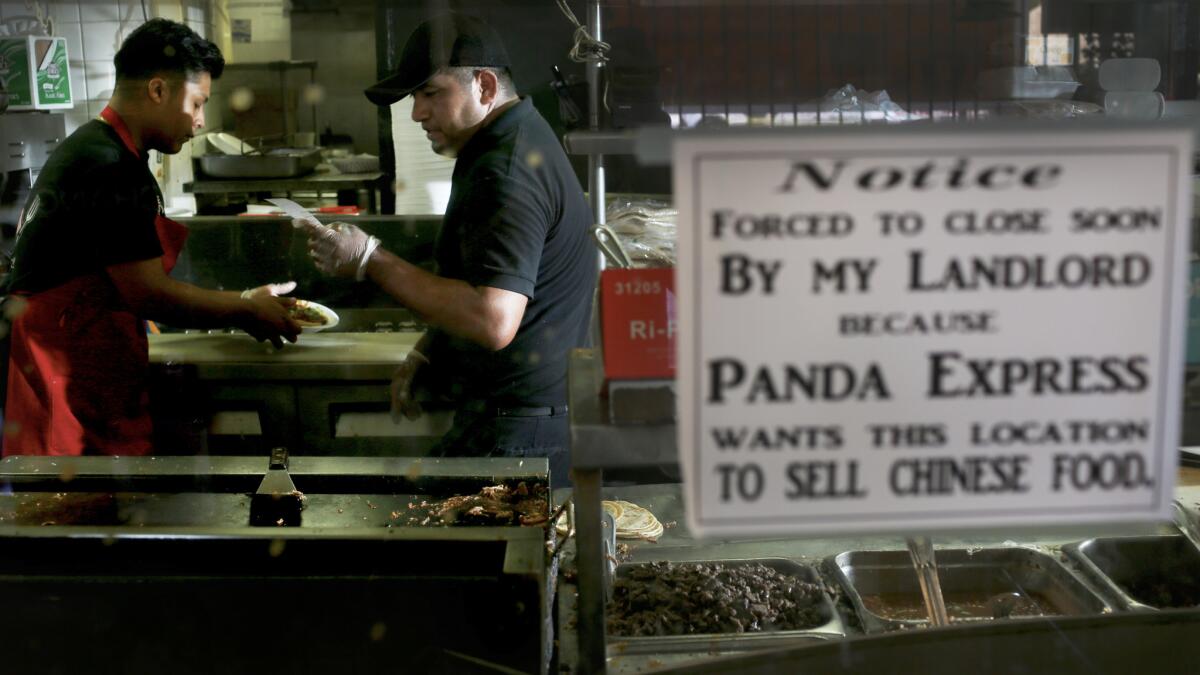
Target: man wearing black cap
[[516, 267]]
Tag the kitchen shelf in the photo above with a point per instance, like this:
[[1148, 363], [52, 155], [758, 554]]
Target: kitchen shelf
[[313, 182], [596, 441], [600, 142]]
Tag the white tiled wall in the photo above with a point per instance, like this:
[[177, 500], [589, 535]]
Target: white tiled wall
[[66, 12], [14, 9], [94, 30], [92, 11]]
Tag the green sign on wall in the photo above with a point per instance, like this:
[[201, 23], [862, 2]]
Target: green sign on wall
[[35, 72]]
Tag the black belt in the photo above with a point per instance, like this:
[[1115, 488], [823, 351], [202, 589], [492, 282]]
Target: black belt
[[487, 408]]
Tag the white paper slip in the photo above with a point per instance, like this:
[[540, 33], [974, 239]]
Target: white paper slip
[[295, 210]]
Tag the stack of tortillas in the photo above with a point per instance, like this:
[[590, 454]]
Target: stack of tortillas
[[633, 521]]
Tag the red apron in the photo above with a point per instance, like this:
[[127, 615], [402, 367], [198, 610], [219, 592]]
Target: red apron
[[78, 366]]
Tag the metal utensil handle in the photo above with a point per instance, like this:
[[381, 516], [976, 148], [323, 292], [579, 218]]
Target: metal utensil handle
[[279, 459], [920, 549], [607, 240], [558, 541]]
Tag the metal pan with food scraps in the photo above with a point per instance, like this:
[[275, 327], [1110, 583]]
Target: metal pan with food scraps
[[983, 584], [1141, 573]]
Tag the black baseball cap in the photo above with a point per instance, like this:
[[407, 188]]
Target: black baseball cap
[[451, 39]]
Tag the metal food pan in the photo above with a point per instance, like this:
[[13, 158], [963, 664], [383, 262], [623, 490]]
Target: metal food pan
[[281, 163], [1142, 573], [710, 644], [964, 575]]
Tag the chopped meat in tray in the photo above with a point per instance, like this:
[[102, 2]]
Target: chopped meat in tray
[[662, 598]]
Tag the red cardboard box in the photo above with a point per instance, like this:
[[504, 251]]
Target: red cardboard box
[[637, 308]]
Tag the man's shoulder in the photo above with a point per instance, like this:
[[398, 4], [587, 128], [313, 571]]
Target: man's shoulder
[[523, 141], [520, 158], [90, 153], [492, 163], [94, 141]]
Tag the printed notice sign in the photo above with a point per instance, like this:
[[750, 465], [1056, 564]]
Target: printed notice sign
[[883, 331]]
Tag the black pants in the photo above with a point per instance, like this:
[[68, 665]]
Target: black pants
[[483, 435]]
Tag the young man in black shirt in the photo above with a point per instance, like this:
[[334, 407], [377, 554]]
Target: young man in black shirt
[[93, 254], [516, 266]]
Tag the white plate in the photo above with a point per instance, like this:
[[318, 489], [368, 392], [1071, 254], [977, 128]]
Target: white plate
[[331, 317], [228, 143]]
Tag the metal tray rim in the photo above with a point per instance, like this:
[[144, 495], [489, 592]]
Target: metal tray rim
[[873, 623], [1187, 521], [1113, 593]]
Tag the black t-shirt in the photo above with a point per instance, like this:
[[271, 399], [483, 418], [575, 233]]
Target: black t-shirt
[[517, 220], [93, 205]]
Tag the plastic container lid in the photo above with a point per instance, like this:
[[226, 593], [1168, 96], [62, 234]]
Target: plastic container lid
[[1130, 74], [1134, 105]]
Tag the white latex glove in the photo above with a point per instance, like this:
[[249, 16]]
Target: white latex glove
[[403, 401], [339, 250], [270, 290]]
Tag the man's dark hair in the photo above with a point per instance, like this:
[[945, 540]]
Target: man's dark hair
[[162, 45]]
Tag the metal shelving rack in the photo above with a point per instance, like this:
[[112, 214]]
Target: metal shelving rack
[[596, 442], [595, 159]]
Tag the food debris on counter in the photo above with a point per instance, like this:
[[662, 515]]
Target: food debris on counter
[[624, 552], [520, 504]]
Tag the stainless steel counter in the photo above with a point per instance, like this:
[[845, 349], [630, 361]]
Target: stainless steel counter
[[326, 394], [314, 356]]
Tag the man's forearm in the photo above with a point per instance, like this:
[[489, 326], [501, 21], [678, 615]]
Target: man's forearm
[[452, 305], [182, 304], [153, 295]]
